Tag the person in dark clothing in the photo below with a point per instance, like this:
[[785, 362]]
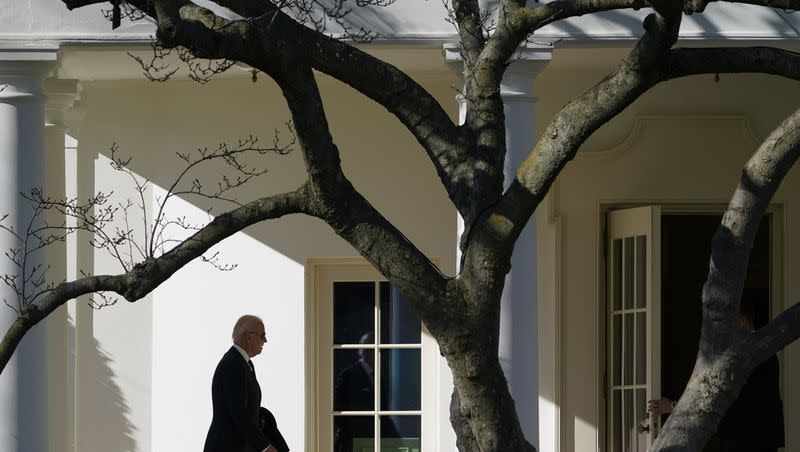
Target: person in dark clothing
[[754, 422], [236, 425]]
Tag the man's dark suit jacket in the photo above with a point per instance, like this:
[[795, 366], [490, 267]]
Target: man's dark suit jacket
[[755, 420], [236, 398]]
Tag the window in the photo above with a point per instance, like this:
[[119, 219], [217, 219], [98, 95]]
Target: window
[[374, 375]]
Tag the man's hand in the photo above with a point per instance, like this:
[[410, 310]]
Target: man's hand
[[660, 406]]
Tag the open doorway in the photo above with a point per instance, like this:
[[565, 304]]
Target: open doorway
[[685, 252]]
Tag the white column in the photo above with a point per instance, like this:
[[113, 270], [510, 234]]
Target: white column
[[61, 121], [519, 345], [23, 383]]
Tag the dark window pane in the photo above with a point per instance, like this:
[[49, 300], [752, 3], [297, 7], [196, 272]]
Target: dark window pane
[[629, 430], [641, 348], [399, 322], [353, 382], [627, 276], [400, 433], [616, 280], [616, 441], [400, 379], [353, 311], [627, 356], [641, 271], [353, 433], [616, 350], [641, 419]]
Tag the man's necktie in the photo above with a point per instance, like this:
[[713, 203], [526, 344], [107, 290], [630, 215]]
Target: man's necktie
[[252, 367]]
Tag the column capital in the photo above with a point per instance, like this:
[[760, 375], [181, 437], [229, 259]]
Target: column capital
[[22, 69], [62, 95], [452, 52], [532, 57], [517, 84]]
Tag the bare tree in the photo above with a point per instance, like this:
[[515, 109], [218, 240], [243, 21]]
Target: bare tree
[[286, 40]]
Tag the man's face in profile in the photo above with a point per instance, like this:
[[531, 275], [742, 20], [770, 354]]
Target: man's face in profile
[[255, 340]]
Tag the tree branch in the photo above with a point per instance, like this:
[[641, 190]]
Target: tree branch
[[531, 19], [524, 21], [148, 275], [733, 240], [777, 334], [469, 23], [72, 4], [727, 355], [284, 50], [697, 6], [249, 8], [412, 105], [501, 225], [352, 217], [696, 415], [262, 42], [735, 60]]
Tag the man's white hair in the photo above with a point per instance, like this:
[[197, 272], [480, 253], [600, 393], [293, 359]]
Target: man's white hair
[[246, 323]]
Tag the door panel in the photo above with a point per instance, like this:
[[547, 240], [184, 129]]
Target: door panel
[[633, 329]]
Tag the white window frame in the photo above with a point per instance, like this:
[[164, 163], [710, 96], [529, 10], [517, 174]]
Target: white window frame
[[321, 273]]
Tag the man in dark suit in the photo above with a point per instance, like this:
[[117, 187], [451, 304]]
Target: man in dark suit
[[236, 394]]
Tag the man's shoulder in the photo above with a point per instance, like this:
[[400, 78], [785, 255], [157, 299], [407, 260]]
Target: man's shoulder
[[231, 356], [230, 364]]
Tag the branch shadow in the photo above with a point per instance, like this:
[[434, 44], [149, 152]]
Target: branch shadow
[[110, 423]]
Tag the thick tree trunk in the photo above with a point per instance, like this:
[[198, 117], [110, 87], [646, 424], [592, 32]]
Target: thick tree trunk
[[482, 411], [465, 439]]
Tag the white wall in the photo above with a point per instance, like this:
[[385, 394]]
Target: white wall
[[191, 332]]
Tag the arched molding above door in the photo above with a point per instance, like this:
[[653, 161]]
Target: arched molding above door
[[707, 128]]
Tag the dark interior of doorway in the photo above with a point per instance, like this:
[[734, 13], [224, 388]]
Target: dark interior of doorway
[[685, 252]]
